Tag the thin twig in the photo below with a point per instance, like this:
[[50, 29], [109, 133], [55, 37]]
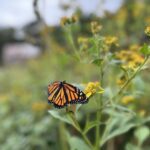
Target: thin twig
[[37, 12]]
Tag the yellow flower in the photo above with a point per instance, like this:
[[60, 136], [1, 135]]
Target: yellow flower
[[134, 47], [66, 20], [130, 65], [74, 18], [127, 99], [39, 106], [95, 27], [147, 31], [138, 59], [142, 112], [109, 40], [130, 59], [92, 88]]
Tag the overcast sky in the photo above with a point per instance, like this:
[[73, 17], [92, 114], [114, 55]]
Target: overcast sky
[[17, 13]]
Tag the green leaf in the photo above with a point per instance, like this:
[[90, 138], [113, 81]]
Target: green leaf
[[119, 123], [130, 146], [123, 109], [145, 49], [92, 50], [108, 93], [62, 117], [76, 143], [97, 62], [142, 133], [117, 126]]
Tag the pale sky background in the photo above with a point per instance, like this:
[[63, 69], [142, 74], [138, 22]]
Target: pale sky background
[[17, 13]]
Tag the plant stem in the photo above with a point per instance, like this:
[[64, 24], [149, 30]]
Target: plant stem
[[86, 140], [100, 101], [71, 41], [78, 128], [98, 114], [62, 133]]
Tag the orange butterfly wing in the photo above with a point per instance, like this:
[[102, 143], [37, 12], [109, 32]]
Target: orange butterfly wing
[[62, 93], [75, 95]]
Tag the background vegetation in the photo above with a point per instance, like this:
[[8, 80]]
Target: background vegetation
[[69, 53]]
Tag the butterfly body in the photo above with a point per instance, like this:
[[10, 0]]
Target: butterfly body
[[61, 94]]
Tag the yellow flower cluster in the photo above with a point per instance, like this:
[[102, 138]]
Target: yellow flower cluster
[[109, 40], [147, 31], [95, 27], [134, 47], [39, 106], [92, 88], [127, 99], [66, 21], [131, 59]]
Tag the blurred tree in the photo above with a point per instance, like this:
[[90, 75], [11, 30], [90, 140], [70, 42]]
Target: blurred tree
[[6, 35]]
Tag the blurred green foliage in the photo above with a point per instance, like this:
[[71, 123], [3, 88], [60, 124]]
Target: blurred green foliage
[[25, 121]]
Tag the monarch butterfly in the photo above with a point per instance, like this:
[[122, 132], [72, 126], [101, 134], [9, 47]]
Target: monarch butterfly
[[61, 94]]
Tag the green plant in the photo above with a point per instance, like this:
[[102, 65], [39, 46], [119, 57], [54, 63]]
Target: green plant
[[106, 118]]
